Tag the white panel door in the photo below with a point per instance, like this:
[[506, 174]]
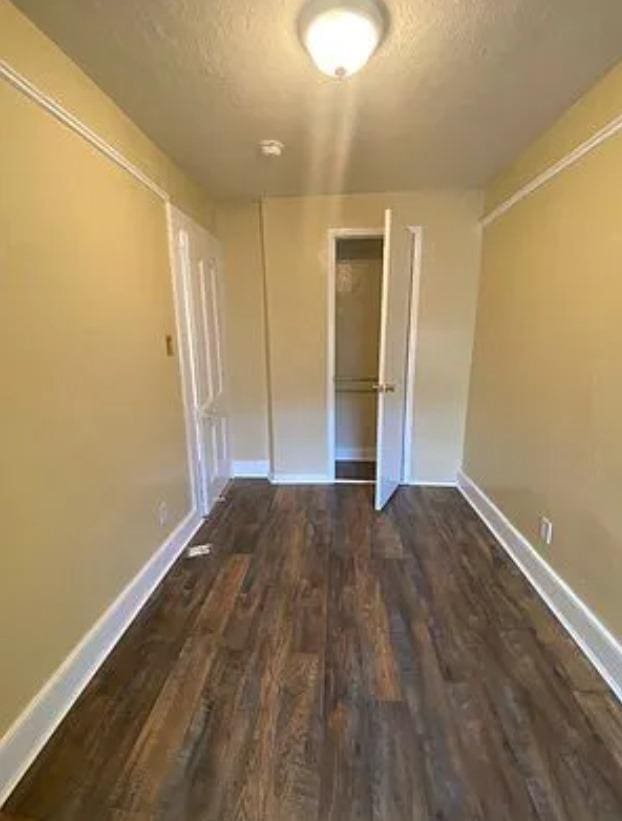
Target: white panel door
[[198, 291], [394, 316], [212, 407]]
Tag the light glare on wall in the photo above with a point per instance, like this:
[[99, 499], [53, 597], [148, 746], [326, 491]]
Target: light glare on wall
[[340, 38]]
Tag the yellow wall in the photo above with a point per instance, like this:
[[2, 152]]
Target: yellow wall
[[295, 241], [586, 117], [91, 435], [30, 52], [239, 229], [544, 433]]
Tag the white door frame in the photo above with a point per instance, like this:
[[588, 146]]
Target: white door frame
[[416, 262], [335, 234], [187, 369]]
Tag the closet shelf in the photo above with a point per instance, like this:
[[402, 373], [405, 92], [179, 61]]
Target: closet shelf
[[343, 379]]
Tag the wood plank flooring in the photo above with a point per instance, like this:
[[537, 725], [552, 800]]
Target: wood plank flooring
[[329, 663], [355, 470]]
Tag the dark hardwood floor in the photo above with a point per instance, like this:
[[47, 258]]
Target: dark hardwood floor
[[329, 663], [355, 470]]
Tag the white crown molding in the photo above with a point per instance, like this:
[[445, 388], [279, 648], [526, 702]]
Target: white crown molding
[[26, 737], [596, 641], [54, 108], [610, 130]]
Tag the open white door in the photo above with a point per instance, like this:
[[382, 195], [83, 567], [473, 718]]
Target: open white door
[[394, 316], [212, 408], [198, 291]]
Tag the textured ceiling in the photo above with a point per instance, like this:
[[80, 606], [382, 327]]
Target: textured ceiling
[[456, 90]]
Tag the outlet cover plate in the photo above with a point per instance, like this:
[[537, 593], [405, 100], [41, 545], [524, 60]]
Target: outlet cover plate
[[198, 550]]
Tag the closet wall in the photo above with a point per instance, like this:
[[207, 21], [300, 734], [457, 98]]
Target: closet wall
[[238, 226], [358, 279], [295, 246]]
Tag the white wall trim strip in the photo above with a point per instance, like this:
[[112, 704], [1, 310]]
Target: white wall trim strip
[[250, 469], [23, 741], [596, 641], [610, 130], [52, 106]]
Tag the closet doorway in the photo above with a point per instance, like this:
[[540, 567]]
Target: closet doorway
[[373, 287], [358, 289]]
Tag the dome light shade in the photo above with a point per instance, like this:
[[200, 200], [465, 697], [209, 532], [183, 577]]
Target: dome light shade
[[342, 36]]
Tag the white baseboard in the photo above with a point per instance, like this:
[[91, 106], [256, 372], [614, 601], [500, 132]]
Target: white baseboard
[[28, 734], [596, 641], [250, 469], [300, 479], [430, 482], [323, 479], [356, 454]]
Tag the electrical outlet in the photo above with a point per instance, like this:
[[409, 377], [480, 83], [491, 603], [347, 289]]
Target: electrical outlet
[[546, 530], [162, 513], [198, 550]]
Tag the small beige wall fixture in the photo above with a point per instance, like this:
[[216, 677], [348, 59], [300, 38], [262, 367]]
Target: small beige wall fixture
[[92, 436], [544, 434], [295, 246]]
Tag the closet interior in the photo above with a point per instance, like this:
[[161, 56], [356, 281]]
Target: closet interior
[[358, 285]]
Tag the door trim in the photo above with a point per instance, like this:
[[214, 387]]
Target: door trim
[[416, 260], [334, 234]]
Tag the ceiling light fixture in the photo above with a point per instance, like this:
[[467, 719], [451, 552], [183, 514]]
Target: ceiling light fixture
[[341, 35]]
